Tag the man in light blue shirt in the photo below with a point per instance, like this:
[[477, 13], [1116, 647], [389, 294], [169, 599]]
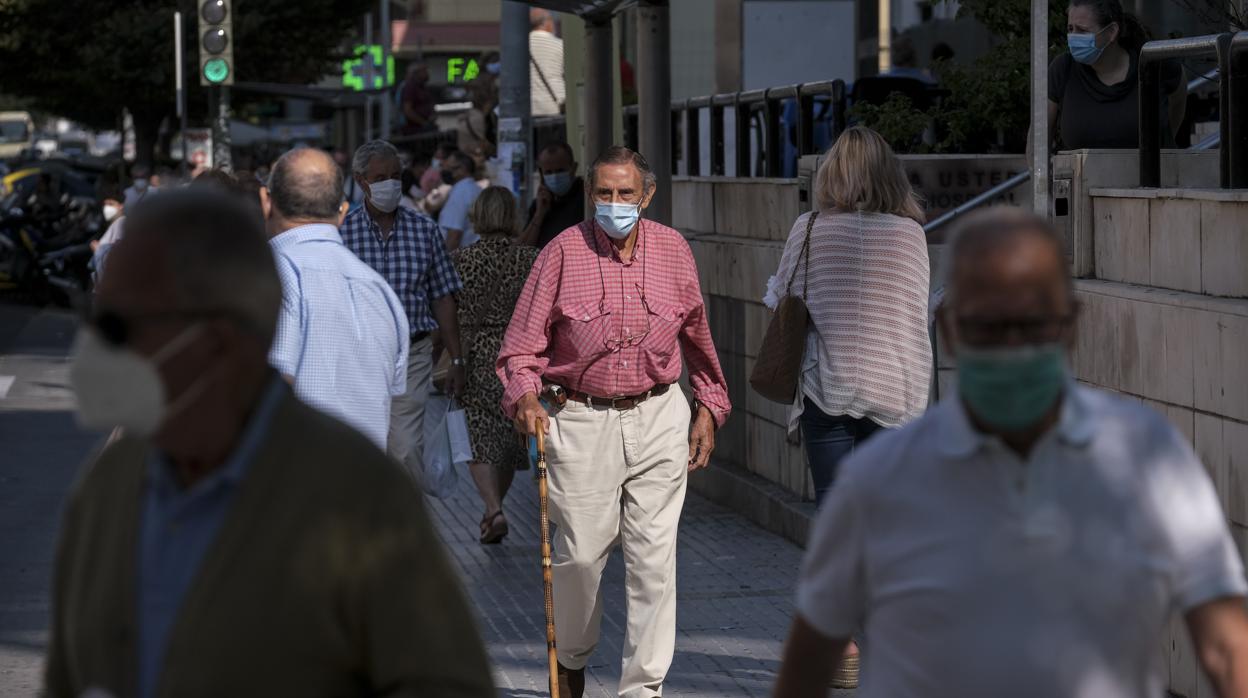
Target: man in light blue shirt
[[459, 171], [342, 336]]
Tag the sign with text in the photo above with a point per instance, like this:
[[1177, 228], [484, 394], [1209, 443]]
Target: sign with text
[[948, 181], [460, 70]]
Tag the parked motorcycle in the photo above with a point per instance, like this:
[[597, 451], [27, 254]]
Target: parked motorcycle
[[45, 246]]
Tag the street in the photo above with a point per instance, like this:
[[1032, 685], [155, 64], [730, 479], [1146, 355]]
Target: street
[[736, 581], [41, 449]]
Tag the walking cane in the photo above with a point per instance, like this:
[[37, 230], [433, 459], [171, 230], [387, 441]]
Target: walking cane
[[546, 572]]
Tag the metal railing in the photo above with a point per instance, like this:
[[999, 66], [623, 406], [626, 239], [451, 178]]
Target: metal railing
[[1151, 99], [758, 119], [758, 116]]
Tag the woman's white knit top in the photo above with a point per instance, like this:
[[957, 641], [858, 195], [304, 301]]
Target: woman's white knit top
[[868, 352]]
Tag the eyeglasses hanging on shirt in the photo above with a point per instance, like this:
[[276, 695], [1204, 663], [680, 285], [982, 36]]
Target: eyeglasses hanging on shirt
[[622, 338]]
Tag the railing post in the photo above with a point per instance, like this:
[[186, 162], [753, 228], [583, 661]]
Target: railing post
[[717, 138], [839, 106], [742, 137], [1221, 46], [693, 140], [805, 123], [1150, 121], [771, 135], [1224, 109], [677, 118]]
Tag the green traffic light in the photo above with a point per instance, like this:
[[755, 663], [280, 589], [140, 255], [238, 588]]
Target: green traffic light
[[216, 70]]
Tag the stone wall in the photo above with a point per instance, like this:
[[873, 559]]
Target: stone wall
[[737, 229]]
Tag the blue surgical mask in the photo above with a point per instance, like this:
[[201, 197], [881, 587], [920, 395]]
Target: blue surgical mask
[[493, 68], [617, 220], [559, 183], [1011, 388], [1083, 47]]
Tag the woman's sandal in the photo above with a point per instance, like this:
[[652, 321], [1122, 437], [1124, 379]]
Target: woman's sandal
[[493, 528]]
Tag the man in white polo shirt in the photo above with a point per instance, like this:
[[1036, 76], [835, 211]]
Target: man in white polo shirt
[[1028, 536]]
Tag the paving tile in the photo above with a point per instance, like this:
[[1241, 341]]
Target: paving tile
[[735, 584]]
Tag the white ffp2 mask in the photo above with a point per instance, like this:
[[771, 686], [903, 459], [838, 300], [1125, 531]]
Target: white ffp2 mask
[[117, 387], [385, 195]]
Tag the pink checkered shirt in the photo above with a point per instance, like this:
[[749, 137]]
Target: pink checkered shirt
[[589, 322]]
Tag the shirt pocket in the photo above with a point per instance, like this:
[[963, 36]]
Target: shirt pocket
[[586, 326], [665, 320]]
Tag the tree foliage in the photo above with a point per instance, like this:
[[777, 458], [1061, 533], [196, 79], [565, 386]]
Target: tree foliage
[[1231, 14], [87, 59], [987, 107]]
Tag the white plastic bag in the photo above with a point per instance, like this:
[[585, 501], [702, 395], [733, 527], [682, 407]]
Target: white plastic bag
[[457, 433], [437, 477]]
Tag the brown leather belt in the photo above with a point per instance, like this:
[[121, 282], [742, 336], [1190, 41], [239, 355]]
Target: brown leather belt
[[623, 402]]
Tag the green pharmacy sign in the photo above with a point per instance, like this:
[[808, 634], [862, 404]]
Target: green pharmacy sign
[[355, 70]]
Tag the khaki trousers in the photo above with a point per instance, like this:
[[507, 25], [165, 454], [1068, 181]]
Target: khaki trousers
[[619, 475], [406, 439]]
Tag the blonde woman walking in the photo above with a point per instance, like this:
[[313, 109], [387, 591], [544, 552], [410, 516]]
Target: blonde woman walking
[[868, 357], [493, 271]]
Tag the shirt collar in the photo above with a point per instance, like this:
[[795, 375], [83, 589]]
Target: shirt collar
[[401, 215], [1076, 424], [160, 470], [304, 233], [613, 252]]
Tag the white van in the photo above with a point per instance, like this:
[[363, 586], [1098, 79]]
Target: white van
[[17, 133]]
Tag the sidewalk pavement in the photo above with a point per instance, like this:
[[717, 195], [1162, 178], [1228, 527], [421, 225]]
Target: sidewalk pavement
[[735, 602]]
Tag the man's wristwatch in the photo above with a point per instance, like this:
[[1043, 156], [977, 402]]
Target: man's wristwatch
[[693, 408], [458, 361]]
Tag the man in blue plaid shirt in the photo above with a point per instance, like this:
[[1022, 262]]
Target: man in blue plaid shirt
[[406, 248]]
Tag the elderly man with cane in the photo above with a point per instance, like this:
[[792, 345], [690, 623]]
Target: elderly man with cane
[[598, 333]]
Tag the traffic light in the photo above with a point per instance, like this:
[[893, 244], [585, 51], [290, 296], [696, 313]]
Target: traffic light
[[216, 43]]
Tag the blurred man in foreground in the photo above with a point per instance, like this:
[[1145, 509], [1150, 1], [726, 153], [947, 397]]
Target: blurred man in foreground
[[1028, 536], [234, 541]]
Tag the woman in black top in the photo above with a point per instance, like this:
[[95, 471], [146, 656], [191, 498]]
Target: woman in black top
[[1094, 89]]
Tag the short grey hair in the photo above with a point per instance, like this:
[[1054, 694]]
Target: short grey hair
[[991, 228], [372, 149], [218, 256], [620, 155]]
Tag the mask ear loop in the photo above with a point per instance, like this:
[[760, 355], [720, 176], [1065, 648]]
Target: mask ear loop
[[199, 386], [174, 346]]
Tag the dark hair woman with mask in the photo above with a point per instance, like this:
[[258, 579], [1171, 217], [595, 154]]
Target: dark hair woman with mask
[[1094, 88]]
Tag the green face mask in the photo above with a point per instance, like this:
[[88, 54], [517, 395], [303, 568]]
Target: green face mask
[[1011, 388]]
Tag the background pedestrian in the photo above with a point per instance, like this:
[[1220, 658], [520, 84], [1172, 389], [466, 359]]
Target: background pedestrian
[[868, 354], [342, 336], [493, 271], [459, 170], [407, 249], [547, 89]]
